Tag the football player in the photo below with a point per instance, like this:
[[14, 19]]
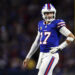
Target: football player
[[48, 37]]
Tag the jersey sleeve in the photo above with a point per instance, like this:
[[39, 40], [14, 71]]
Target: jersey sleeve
[[60, 24], [39, 26]]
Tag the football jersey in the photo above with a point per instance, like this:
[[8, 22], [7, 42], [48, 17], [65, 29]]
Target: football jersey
[[49, 34]]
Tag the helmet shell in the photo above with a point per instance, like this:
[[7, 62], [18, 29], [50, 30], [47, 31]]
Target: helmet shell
[[48, 8]]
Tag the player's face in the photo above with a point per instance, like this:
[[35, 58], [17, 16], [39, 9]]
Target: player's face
[[49, 15]]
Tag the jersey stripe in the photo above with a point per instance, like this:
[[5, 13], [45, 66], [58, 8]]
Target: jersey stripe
[[49, 66], [61, 23]]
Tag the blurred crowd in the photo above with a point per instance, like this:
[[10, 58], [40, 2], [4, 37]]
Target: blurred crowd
[[18, 29]]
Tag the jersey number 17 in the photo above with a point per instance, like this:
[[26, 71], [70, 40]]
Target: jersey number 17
[[47, 34]]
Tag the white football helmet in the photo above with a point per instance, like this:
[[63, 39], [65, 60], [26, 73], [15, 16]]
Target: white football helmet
[[48, 8]]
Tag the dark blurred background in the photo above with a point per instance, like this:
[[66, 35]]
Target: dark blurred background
[[18, 29]]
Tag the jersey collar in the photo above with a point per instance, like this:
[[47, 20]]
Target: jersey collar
[[44, 23]]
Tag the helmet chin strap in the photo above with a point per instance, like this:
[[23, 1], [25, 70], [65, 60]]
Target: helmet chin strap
[[49, 20]]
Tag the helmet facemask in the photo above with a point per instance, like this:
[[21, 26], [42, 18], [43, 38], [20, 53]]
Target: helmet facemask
[[49, 16]]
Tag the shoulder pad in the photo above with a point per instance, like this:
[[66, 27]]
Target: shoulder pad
[[60, 23]]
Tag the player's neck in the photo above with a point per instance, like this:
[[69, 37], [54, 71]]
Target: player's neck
[[47, 22]]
